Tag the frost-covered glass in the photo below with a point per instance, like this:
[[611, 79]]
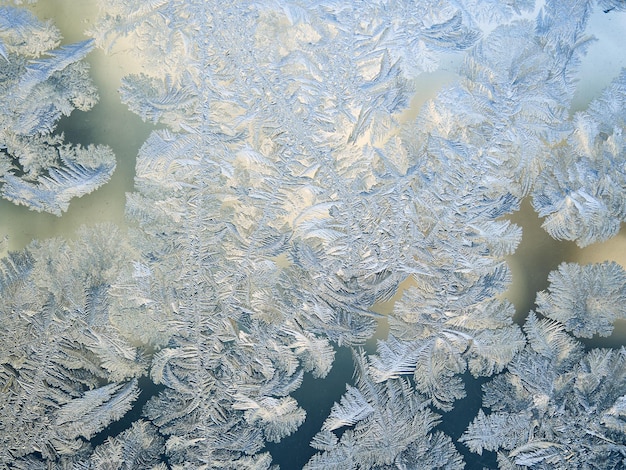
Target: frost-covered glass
[[281, 194]]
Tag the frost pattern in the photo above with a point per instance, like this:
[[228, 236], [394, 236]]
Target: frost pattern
[[277, 202], [38, 85], [585, 299], [438, 346], [67, 371], [391, 427], [494, 11], [581, 189], [547, 388]]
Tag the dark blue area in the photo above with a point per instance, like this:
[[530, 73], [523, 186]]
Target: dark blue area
[[147, 390], [316, 396], [455, 422]]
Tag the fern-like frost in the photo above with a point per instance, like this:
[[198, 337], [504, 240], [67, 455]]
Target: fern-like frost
[[36, 169]]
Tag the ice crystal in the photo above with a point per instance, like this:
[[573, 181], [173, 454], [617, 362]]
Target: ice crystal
[[279, 199], [556, 407], [391, 427], [38, 85], [586, 299], [581, 189]]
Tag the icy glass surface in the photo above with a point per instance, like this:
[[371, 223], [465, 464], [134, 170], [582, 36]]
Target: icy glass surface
[[312, 179]]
